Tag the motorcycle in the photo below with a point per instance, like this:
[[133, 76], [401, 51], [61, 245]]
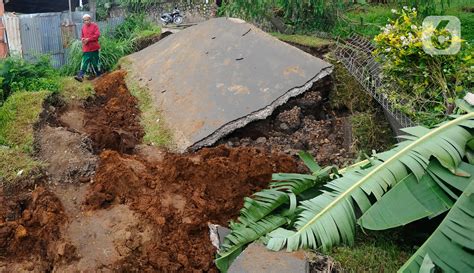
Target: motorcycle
[[172, 17]]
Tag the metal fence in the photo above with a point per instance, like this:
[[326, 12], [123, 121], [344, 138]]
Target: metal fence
[[30, 35], [356, 55]]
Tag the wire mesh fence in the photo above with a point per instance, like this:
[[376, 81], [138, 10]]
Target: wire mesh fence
[[355, 53]]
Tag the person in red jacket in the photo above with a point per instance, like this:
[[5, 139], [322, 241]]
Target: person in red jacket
[[90, 47]]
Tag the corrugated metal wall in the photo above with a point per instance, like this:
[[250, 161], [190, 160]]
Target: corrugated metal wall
[[41, 33], [13, 37], [30, 35]]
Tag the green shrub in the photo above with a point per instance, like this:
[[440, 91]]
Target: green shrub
[[137, 5], [17, 74], [302, 14], [422, 86], [134, 26]]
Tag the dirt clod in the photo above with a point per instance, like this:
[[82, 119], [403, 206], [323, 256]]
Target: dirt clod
[[30, 227], [291, 118], [179, 196], [112, 117]]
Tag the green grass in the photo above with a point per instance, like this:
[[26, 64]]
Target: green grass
[[17, 116], [375, 252], [466, 18], [347, 92], [149, 33], [71, 90], [14, 160], [305, 40], [367, 20], [371, 131], [156, 132]]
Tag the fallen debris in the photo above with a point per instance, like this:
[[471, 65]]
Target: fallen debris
[[257, 258]]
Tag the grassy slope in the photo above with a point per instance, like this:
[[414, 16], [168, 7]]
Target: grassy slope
[[152, 120], [73, 91], [304, 40], [17, 117]]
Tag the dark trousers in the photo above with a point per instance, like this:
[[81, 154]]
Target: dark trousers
[[90, 61]]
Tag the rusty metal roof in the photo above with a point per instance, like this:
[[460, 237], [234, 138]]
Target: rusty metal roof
[[219, 75]]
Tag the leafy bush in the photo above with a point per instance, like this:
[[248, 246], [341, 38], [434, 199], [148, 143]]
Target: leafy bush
[[137, 5], [422, 86], [133, 26], [17, 74], [302, 14]]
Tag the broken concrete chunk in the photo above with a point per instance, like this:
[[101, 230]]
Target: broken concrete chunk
[[243, 78], [256, 258], [217, 234], [469, 98]]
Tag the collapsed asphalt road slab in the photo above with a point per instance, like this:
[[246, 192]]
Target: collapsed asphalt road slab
[[213, 78]]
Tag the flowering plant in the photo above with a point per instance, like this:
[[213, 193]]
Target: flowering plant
[[421, 85]]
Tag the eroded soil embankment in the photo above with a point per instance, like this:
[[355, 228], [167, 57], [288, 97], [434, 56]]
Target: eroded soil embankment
[[139, 211]]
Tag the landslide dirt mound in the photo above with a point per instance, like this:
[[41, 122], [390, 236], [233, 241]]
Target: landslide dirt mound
[[307, 123], [30, 229], [180, 195], [112, 116]]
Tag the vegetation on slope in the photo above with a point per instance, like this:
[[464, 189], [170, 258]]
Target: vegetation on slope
[[420, 178]]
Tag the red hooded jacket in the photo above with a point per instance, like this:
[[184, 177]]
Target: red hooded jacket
[[92, 33]]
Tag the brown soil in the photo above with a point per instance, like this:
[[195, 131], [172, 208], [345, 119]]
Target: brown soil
[[30, 223], [68, 154], [112, 117], [147, 211], [307, 123], [179, 196]]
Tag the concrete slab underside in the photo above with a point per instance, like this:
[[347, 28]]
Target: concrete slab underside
[[256, 258], [218, 76]]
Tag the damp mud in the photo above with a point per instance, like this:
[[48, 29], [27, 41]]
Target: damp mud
[[109, 203]]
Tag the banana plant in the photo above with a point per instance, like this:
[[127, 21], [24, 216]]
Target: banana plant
[[424, 176], [256, 220], [329, 219], [451, 245]]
